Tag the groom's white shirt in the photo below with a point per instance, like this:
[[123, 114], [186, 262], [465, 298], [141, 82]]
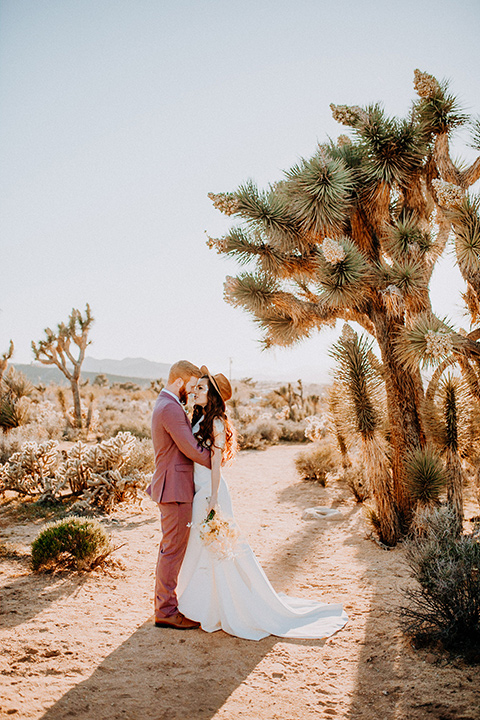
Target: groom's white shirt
[[172, 395]]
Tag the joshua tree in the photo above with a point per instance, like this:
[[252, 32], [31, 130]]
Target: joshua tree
[[57, 349], [354, 232], [5, 358], [288, 394]]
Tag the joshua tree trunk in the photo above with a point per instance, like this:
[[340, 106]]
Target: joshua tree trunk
[[77, 405], [377, 471], [404, 395], [455, 486]]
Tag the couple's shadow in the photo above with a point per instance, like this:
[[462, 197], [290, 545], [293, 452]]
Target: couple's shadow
[[163, 674]]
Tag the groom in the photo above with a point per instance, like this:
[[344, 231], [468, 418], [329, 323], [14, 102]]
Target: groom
[[172, 487]]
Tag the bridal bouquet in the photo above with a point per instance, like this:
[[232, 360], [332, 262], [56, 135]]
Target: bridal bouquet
[[219, 534]]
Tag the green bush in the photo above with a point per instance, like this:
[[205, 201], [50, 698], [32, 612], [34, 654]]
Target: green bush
[[72, 542], [317, 461], [446, 605]]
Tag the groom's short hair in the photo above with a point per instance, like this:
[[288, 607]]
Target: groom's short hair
[[183, 369]]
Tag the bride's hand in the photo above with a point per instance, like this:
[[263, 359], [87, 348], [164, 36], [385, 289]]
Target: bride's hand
[[212, 504]]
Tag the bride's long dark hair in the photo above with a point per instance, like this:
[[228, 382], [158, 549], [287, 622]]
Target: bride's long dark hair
[[214, 408]]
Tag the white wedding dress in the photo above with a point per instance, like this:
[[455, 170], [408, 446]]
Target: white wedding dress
[[233, 593]]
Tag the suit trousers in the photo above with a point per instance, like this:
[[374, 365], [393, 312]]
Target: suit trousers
[[175, 531]]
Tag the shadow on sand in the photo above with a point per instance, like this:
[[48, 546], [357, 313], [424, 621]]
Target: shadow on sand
[[178, 676], [28, 594]]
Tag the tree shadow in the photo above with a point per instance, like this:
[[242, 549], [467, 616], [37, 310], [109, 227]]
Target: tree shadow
[[28, 594], [306, 493], [291, 556], [393, 681], [124, 525], [160, 674]]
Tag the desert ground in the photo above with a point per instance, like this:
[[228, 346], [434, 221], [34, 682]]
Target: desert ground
[[84, 646]]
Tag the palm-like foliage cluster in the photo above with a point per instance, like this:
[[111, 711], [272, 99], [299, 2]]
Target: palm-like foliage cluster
[[353, 233]]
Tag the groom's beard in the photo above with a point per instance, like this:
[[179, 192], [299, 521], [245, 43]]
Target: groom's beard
[[183, 396]]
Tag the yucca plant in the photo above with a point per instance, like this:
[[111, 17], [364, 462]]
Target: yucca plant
[[452, 436], [363, 388], [426, 476], [353, 233], [335, 407]]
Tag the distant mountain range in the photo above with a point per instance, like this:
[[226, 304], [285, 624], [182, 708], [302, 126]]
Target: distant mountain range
[[140, 371], [137, 370], [128, 367]]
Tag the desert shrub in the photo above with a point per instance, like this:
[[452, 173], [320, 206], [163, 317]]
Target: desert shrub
[[31, 470], [9, 443], [355, 480], [141, 457], [138, 428], [445, 606], [268, 430], [248, 437], [116, 471], [119, 413], [15, 393], [291, 431], [71, 542], [102, 474], [315, 462], [315, 427], [258, 434]]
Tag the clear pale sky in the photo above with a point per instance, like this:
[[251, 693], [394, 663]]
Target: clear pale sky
[[117, 117]]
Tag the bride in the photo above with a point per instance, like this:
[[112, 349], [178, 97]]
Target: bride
[[228, 590]]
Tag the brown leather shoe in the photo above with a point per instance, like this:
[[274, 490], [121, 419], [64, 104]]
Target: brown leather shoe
[[178, 622]]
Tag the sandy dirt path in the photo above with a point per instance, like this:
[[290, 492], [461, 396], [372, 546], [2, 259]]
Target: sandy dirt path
[[84, 647]]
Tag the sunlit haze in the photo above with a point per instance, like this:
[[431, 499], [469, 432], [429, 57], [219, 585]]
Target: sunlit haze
[[118, 117]]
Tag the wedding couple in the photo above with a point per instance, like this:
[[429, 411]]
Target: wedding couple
[[196, 585]]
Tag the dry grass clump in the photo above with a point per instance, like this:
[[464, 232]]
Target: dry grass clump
[[445, 605], [317, 461], [72, 542]]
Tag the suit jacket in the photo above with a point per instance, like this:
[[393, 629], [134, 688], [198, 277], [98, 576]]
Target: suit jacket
[[175, 452]]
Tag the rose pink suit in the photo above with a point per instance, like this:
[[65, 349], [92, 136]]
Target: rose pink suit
[[172, 488]]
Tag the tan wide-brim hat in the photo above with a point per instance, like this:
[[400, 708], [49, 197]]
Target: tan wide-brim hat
[[219, 382]]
